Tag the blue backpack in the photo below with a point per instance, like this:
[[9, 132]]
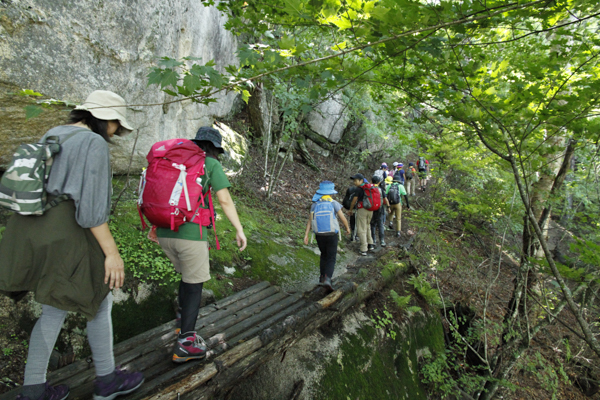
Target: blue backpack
[[323, 218]]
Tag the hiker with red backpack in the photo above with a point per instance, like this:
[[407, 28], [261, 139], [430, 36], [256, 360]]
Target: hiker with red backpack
[[367, 200], [62, 249], [323, 222], [378, 220], [175, 195]]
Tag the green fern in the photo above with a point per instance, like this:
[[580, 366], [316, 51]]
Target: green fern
[[429, 294], [401, 301]]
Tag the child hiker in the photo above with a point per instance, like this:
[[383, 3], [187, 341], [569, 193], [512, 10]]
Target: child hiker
[[67, 256], [324, 224], [188, 250]]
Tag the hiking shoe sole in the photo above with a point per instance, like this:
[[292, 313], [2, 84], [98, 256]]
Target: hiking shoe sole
[[121, 393], [180, 360]]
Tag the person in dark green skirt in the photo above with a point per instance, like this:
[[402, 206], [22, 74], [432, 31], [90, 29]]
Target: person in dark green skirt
[[68, 256]]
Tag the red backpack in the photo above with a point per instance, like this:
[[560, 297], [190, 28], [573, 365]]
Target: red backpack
[[372, 199], [170, 191]]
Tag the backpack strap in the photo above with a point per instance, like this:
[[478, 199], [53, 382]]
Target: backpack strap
[[54, 202], [212, 213]]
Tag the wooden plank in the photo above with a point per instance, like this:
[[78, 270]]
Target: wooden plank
[[218, 345], [234, 307], [241, 294], [192, 381], [268, 323], [330, 298], [241, 315], [280, 337], [125, 346], [256, 320]]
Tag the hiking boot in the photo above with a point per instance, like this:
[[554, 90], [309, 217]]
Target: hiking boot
[[123, 383], [363, 253], [189, 346], [327, 283], [398, 234], [391, 225], [371, 247], [382, 243], [321, 279], [58, 392]]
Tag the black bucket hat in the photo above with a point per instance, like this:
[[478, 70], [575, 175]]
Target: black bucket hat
[[208, 134]]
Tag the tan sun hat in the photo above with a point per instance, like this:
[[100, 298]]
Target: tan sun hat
[[108, 106]]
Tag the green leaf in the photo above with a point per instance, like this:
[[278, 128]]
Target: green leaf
[[155, 76], [340, 46], [245, 96], [32, 111], [169, 78], [343, 23], [191, 83], [169, 62], [28, 92], [286, 42]]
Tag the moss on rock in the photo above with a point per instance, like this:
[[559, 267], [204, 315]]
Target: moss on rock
[[371, 366]]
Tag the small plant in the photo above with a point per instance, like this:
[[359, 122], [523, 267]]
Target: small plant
[[403, 301], [429, 294], [7, 351], [385, 322]]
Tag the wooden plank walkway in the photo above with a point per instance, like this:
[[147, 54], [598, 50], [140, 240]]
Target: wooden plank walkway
[[224, 325], [242, 332]]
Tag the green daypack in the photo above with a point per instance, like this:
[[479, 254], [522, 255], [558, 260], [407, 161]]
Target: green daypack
[[23, 185]]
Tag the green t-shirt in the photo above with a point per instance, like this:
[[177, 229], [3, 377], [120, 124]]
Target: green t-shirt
[[213, 177], [401, 190]]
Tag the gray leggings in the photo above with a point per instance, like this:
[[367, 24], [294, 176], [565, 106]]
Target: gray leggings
[[46, 330]]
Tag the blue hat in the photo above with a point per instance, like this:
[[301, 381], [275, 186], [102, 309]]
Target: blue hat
[[325, 188]]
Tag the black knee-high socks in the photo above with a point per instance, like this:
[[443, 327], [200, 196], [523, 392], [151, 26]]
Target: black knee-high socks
[[190, 296]]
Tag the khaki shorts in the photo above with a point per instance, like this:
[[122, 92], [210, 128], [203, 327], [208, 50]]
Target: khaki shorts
[[189, 257]]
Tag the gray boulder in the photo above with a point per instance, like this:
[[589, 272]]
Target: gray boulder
[[65, 50], [329, 119]]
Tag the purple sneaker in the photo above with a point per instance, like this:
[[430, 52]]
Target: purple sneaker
[[124, 383], [58, 392]]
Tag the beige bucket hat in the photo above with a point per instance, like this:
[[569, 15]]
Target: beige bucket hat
[[108, 106]]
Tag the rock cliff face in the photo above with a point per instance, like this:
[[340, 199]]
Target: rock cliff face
[[66, 49], [329, 119]]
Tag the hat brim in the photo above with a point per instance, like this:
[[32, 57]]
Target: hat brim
[[326, 192], [217, 146], [108, 114]]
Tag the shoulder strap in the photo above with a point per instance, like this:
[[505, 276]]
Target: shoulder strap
[[55, 139]]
